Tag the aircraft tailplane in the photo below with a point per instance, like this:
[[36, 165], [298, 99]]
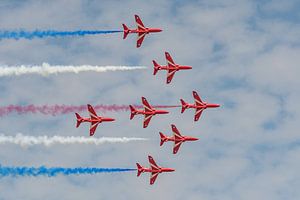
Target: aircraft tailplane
[[126, 31], [79, 120], [156, 67], [139, 168], [163, 138], [183, 105], [132, 111]]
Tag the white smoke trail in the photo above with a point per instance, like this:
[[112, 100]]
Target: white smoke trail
[[23, 140], [46, 69]]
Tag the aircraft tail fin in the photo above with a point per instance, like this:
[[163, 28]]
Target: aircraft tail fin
[[163, 138], [139, 169], [79, 120], [183, 105], [126, 31], [156, 67], [132, 111]]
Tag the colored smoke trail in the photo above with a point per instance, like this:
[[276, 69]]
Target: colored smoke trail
[[172, 106], [46, 69], [23, 140], [54, 171], [49, 33], [65, 109]]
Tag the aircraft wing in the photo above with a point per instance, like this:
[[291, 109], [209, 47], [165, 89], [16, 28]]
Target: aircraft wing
[[147, 106], [170, 75], [198, 100], [140, 39], [198, 113], [176, 133], [153, 177], [139, 23], [169, 59], [92, 112], [176, 146], [153, 164], [93, 127], [147, 120]]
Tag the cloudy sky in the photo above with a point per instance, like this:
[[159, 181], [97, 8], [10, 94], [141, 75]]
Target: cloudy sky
[[245, 56]]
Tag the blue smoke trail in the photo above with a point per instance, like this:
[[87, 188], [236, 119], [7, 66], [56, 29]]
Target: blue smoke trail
[[53, 171], [49, 33]]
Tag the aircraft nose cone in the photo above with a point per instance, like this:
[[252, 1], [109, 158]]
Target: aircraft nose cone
[[214, 105], [162, 112]]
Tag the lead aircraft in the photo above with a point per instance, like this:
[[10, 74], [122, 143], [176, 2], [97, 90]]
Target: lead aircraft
[[199, 106], [154, 169], [141, 30]]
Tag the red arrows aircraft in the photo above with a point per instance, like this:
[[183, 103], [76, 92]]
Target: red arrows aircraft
[[171, 67], [177, 138], [199, 106], [94, 120], [154, 170], [141, 31], [148, 112]]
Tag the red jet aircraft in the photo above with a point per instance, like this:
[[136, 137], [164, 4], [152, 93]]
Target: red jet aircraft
[[94, 120], [171, 67], [199, 106], [148, 112], [154, 170], [141, 31], [177, 138]]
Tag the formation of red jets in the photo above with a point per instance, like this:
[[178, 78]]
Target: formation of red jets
[[149, 111]]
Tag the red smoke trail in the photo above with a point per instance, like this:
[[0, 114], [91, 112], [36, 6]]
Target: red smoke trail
[[65, 109]]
